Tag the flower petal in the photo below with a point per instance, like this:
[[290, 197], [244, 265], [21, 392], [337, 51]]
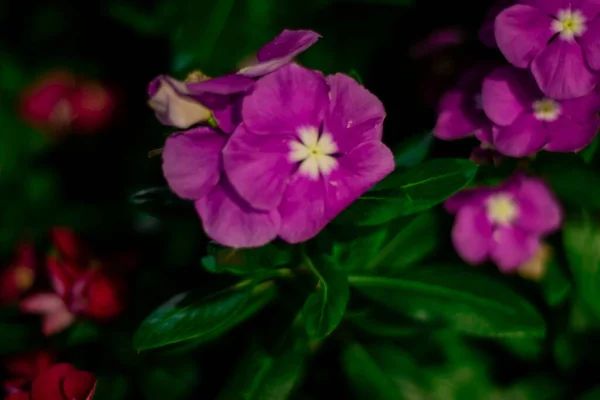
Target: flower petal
[[523, 137], [47, 385], [466, 197], [79, 385], [549, 7], [582, 109], [471, 234], [539, 210], [285, 100], [561, 71], [567, 135], [521, 33], [258, 166], [590, 44], [222, 85], [229, 220], [280, 51], [455, 120], [172, 107], [357, 172], [191, 161], [355, 114], [511, 247], [506, 93]]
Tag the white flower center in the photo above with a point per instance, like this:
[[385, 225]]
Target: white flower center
[[569, 24], [501, 209], [314, 152], [546, 110]]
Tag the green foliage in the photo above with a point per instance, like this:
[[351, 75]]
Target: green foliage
[[408, 192]]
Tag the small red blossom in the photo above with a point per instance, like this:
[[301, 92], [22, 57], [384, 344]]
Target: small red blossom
[[22, 369], [83, 284], [18, 277], [59, 103], [60, 382]]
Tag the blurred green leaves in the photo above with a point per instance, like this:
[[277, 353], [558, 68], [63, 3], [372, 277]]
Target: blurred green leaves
[[460, 298]]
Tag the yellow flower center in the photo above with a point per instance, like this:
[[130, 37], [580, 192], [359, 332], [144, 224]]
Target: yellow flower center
[[546, 110], [23, 278], [569, 24], [314, 152], [501, 209]]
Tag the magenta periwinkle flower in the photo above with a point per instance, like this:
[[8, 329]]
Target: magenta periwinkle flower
[[504, 223], [486, 31], [308, 146], [527, 121], [558, 39], [201, 99], [460, 112]]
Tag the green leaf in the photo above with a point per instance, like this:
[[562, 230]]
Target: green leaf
[[413, 151], [581, 238], [260, 260], [175, 380], [463, 299], [324, 309], [15, 337], [391, 248], [269, 373], [409, 192], [367, 378], [556, 285], [355, 75], [111, 388], [590, 151], [190, 316], [572, 180], [593, 394]]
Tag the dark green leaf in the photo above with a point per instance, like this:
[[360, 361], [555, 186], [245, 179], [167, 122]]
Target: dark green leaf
[[593, 394], [186, 316], [413, 151], [355, 75], [176, 380], [590, 151], [260, 260], [269, 374], [556, 285], [15, 337], [111, 388], [464, 299], [139, 20], [539, 387], [581, 237], [324, 309], [571, 179], [409, 192]]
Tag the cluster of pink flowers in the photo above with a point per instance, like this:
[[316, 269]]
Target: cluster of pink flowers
[[81, 285], [272, 150], [545, 97]]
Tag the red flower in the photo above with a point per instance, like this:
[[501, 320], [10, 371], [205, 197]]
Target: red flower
[[17, 278], [22, 369], [59, 102], [83, 285], [60, 382]]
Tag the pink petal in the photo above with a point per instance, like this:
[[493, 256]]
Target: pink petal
[[471, 234], [280, 51], [285, 100], [521, 33], [355, 114], [302, 210], [567, 135], [582, 109], [42, 303], [511, 247], [79, 385], [258, 166], [357, 172], [589, 8], [539, 210], [455, 120], [47, 386], [506, 93], [191, 161], [590, 44], [524, 137], [57, 322], [550, 7], [474, 196], [561, 72], [230, 221], [222, 85]]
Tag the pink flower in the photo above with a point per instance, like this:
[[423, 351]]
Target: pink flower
[[503, 223], [460, 112], [18, 277], [22, 369], [558, 39], [527, 121], [486, 32]]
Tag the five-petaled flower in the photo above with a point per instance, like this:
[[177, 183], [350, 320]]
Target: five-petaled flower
[[528, 121], [558, 39], [503, 223]]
